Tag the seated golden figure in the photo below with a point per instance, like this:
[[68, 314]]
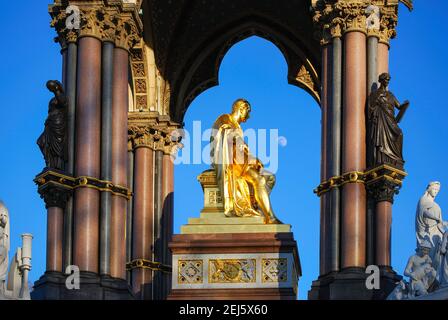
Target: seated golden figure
[[244, 183]]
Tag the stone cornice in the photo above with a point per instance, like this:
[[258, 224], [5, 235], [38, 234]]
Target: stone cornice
[[106, 20]]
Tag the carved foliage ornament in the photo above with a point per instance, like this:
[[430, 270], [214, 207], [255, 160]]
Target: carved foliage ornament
[[106, 24], [156, 139], [334, 18]]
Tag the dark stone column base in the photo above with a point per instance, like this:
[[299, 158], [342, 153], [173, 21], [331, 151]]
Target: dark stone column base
[[350, 284], [51, 286]]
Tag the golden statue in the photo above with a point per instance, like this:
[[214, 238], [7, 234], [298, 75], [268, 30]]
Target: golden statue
[[244, 183]]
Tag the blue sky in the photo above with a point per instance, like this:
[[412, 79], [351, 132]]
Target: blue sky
[[256, 70]]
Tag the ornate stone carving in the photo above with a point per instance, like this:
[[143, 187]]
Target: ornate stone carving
[[304, 77], [274, 270], [117, 23], [55, 196], [141, 136], [149, 129], [383, 190], [139, 65], [373, 17], [388, 24], [190, 271]]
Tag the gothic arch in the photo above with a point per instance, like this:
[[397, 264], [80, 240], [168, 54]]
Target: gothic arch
[[201, 71]]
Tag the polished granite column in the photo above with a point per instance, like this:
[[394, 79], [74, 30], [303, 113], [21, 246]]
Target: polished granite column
[[353, 222], [119, 163], [143, 215], [87, 159]]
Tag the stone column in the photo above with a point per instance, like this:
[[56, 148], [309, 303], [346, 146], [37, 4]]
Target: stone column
[[70, 89], [55, 201], [372, 85], [353, 222], [159, 231], [168, 215], [130, 210], [96, 80], [119, 162], [87, 159], [325, 153], [383, 233], [55, 222], [107, 120], [143, 214], [335, 146]]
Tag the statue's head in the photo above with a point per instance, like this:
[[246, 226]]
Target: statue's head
[[424, 248], [433, 188], [241, 108], [384, 79], [54, 86]]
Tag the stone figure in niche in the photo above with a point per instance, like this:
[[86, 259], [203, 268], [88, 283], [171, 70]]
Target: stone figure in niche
[[4, 247], [385, 138], [239, 173], [429, 225], [420, 270], [52, 142]]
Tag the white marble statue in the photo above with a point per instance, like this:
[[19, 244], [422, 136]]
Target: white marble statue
[[442, 276], [16, 288], [420, 270], [429, 225], [401, 291], [4, 246]]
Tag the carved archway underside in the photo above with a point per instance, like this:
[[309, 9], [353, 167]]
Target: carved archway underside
[[192, 37], [203, 73]]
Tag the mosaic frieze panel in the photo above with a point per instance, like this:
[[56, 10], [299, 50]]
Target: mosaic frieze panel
[[274, 270], [232, 270], [190, 271]]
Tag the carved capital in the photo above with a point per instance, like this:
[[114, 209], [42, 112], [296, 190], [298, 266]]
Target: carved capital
[[151, 130], [141, 136], [384, 182], [354, 15], [383, 190], [53, 188], [388, 24], [127, 34], [108, 21], [333, 18], [55, 197]]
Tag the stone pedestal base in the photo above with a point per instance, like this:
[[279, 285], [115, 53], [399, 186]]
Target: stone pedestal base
[[235, 266], [350, 284], [52, 286]]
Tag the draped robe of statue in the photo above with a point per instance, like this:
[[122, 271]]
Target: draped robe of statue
[[443, 270], [427, 228], [4, 245], [231, 159], [386, 137], [52, 141]]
